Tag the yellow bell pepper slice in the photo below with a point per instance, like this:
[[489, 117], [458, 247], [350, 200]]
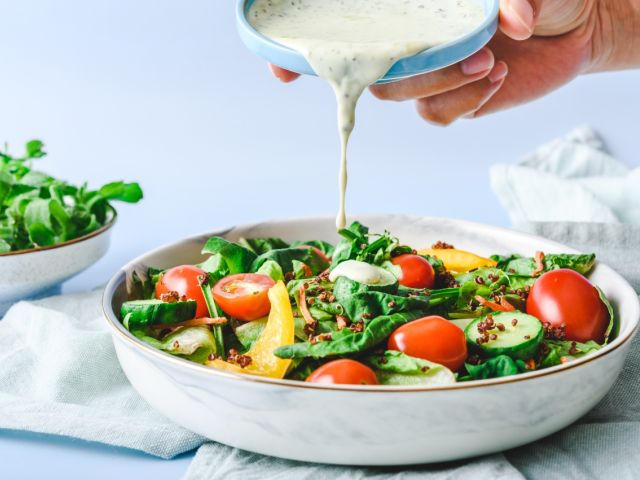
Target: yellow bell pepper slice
[[278, 331], [458, 261]]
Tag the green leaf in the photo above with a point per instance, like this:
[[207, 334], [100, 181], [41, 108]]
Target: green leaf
[[518, 265], [248, 332], [37, 219], [6, 182], [34, 149], [556, 350], [346, 341], [262, 245], [396, 368], [124, 192], [194, 343], [237, 258], [272, 269], [353, 237], [286, 256], [4, 246], [324, 247], [612, 328], [500, 366], [36, 179], [215, 266]]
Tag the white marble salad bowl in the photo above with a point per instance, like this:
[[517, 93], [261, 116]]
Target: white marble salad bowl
[[40, 272], [372, 425]]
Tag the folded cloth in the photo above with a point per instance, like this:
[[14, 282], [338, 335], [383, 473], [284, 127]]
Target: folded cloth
[[59, 375], [572, 179]]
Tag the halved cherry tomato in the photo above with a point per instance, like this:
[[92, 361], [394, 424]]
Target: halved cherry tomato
[[565, 297], [417, 272], [244, 295], [345, 372], [318, 252], [431, 338], [184, 280]]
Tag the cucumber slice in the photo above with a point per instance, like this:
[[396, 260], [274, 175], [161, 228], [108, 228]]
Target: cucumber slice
[[515, 334], [142, 313]]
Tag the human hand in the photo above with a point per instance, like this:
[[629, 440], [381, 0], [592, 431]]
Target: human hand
[[541, 45]]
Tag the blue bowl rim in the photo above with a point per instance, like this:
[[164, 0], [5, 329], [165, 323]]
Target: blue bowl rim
[[446, 54]]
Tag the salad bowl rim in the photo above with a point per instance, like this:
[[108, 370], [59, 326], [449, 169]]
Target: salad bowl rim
[[118, 329]]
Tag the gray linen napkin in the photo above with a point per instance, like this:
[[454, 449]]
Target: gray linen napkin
[[603, 444]]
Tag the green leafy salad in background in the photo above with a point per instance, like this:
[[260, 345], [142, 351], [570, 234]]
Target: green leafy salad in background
[[38, 210]]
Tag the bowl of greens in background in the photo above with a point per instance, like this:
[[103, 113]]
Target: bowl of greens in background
[[369, 424], [50, 230]]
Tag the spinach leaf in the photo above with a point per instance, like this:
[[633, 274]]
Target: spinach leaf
[[347, 341], [500, 366], [324, 247], [285, 257], [525, 266], [556, 350], [262, 245], [396, 368], [353, 238], [237, 258], [194, 343], [373, 304], [613, 326], [273, 269]]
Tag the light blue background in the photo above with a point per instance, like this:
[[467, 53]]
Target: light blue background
[[163, 92]]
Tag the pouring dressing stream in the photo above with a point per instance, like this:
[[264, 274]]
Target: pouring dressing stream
[[353, 43]]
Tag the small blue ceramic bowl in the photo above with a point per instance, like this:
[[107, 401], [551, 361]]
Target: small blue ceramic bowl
[[427, 61]]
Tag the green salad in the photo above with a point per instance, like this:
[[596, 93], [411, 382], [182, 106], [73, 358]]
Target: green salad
[[370, 310], [38, 210]]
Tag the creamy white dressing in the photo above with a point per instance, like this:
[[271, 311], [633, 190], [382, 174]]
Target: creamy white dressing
[[353, 43], [357, 271]]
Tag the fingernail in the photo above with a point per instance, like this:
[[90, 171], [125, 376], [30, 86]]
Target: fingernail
[[478, 62], [498, 73], [523, 11]]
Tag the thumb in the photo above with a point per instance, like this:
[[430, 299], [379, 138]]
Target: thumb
[[518, 17]]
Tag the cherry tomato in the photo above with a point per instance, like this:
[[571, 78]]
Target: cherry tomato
[[565, 297], [184, 280], [344, 371], [431, 338], [244, 295], [417, 272], [318, 252]]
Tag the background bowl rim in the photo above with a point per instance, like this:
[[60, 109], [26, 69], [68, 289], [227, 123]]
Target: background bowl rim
[[95, 233], [117, 328]]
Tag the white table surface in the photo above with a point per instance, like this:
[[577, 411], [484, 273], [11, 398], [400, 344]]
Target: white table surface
[[163, 92]]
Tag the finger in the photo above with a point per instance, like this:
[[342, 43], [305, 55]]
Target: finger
[[518, 18], [447, 107], [283, 75], [474, 68]]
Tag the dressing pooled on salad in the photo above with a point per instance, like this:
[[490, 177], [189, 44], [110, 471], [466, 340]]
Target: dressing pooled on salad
[[353, 43]]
